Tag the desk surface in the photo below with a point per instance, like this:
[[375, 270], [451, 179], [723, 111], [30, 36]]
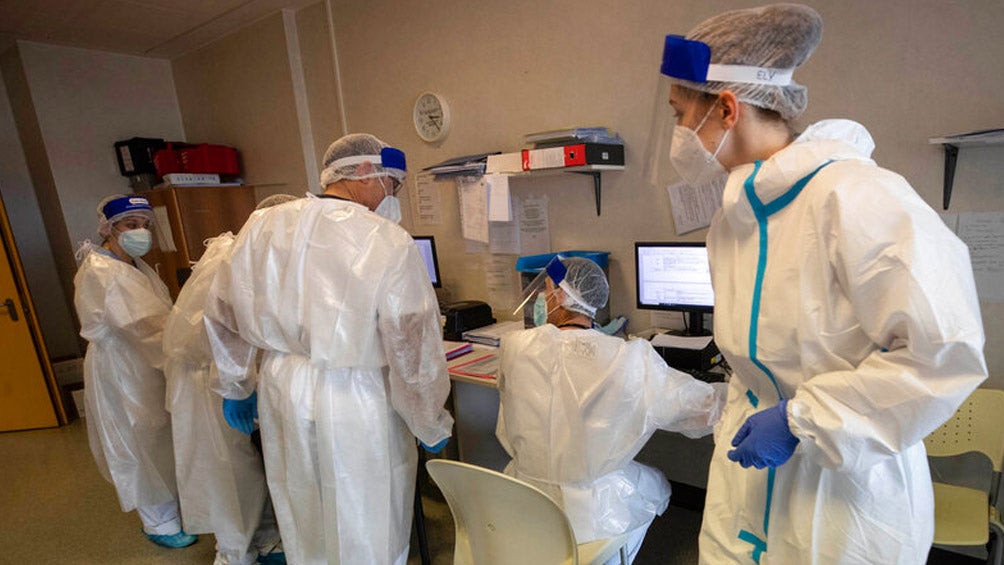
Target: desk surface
[[477, 367]]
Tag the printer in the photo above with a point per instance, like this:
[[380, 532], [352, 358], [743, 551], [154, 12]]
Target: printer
[[458, 317]]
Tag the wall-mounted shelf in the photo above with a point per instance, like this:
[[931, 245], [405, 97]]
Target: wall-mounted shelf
[[592, 170], [952, 143]]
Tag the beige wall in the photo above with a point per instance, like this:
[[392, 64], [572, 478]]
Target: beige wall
[[318, 68], [512, 67], [238, 91]]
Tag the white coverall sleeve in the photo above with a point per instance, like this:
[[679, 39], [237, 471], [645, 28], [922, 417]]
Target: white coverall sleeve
[[136, 314], [412, 336], [236, 377], [677, 402], [910, 284]]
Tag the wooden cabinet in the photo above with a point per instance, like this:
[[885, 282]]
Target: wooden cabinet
[[192, 215]]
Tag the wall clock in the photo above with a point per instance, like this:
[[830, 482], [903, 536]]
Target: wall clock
[[431, 116]]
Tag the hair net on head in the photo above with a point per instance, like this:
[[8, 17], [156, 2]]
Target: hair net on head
[[587, 288], [778, 36], [113, 208], [274, 200], [343, 157]]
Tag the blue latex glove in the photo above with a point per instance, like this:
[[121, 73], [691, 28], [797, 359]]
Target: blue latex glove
[[241, 414], [435, 448], [765, 440]]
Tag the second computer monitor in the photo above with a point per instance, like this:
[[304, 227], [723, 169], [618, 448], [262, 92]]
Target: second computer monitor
[[427, 248]]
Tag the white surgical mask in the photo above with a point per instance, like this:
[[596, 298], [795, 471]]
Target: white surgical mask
[[390, 208], [136, 242], [696, 165]]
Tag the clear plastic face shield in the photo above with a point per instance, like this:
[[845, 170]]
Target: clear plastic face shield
[[129, 220], [673, 154], [535, 294], [389, 163]]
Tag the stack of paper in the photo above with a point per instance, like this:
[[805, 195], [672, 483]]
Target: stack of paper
[[571, 136], [484, 366], [492, 335], [468, 165]]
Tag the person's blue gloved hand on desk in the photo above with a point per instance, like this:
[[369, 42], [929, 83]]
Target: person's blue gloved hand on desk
[[765, 440], [241, 414], [435, 448]]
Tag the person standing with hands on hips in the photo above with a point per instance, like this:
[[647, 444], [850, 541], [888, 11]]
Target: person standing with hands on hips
[[844, 305], [337, 297]]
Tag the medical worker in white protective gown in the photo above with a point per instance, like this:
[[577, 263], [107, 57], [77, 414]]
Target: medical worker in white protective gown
[[337, 296], [844, 305], [221, 478], [122, 306], [578, 405]]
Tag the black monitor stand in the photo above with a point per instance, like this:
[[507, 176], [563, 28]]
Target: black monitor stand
[[695, 324]]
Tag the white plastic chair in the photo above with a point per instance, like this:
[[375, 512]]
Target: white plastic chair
[[966, 516], [504, 521]]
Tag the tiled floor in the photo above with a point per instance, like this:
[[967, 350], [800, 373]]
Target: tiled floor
[[55, 508]]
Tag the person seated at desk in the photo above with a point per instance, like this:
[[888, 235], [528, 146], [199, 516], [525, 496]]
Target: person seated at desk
[[577, 405]]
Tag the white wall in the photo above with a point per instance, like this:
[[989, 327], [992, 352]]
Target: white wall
[[85, 101]]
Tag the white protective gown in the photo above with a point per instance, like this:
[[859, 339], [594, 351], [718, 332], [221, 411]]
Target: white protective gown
[[576, 408], [852, 299], [122, 310], [339, 300], [221, 479]]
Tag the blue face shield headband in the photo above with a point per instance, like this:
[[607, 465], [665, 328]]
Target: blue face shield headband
[[121, 206], [690, 60]]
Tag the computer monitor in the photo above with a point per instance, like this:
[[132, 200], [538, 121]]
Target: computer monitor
[[675, 276], [427, 248]]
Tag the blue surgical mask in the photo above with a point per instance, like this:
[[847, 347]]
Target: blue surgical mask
[[540, 310], [136, 242]]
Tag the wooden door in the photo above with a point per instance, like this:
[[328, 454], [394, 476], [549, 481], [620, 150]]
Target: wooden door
[[28, 391]]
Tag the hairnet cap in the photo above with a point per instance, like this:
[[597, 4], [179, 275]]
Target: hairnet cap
[[274, 200], [777, 36], [585, 284], [340, 160]]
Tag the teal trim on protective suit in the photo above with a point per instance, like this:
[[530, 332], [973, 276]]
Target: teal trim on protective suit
[[763, 211], [754, 401], [759, 545]]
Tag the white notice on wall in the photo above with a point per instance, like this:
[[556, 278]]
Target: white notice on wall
[[499, 204], [534, 230], [983, 232], [473, 208], [504, 237], [693, 207], [428, 211], [165, 237], [501, 280]]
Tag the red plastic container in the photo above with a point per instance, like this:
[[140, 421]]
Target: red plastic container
[[212, 159], [168, 160]]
